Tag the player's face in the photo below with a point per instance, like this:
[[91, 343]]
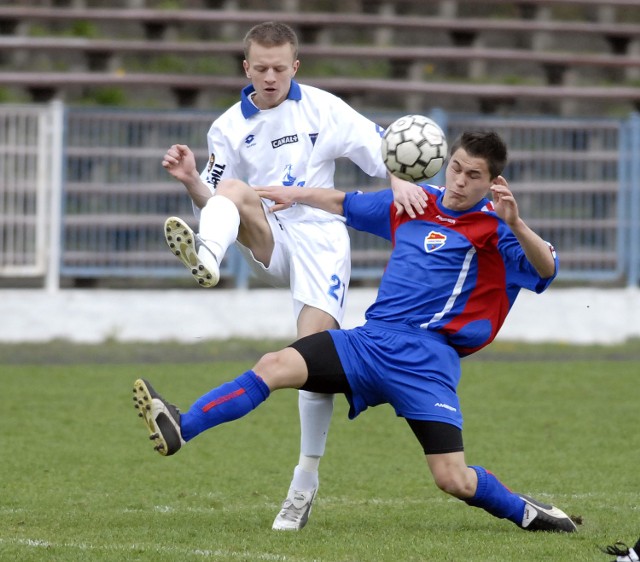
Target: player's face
[[270, 70], [467, 181]]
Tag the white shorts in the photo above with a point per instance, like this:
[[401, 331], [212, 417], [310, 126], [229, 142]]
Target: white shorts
[[313, 259]]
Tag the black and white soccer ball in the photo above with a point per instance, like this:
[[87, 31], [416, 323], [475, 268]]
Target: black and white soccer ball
[[414, 148]]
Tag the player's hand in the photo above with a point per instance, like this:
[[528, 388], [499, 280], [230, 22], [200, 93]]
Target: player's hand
[[504, 202], [283, 197], [407, 197], [180, 162]]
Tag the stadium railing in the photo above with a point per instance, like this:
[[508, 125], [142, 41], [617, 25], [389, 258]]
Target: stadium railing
[[577, 183]]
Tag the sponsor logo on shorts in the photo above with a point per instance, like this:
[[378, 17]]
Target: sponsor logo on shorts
[[289, 139], [445, 406]]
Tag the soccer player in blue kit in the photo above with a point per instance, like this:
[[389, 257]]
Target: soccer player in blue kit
[[280, 133], [454, 272]]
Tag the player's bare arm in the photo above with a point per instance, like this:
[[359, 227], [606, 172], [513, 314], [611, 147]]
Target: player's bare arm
[[329, 200], [407, 197], [180, 162], [535, 248]]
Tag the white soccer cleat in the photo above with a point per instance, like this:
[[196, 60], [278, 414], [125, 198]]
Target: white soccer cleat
[[295, 510], [540, 516], [189, 248]]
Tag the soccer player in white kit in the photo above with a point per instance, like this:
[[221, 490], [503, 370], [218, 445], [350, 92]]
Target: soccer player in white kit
[[281, 133]]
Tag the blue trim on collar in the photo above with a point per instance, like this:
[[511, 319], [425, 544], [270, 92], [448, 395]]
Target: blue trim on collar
[[249, 109]]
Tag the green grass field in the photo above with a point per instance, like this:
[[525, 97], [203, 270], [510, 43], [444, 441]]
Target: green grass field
[[79, 479]]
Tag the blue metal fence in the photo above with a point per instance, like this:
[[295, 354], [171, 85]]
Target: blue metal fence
[[577, 182], [629, 199]]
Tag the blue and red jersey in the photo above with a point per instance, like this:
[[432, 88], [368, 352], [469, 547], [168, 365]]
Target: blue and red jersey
[[454, 273]]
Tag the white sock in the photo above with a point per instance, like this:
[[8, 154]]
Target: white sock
[[219, 224], [309, 464], [315, 416], [303, 480]]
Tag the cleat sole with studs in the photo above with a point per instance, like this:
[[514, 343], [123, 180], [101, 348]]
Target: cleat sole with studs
[[143, 400], [181, 240]]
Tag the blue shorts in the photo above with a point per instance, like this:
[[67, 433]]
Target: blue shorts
[[413, 370]]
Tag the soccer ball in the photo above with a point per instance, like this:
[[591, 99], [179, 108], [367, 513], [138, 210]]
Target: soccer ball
[[414, 148]]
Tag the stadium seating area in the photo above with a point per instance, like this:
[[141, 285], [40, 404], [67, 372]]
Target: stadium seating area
[[563, 57]]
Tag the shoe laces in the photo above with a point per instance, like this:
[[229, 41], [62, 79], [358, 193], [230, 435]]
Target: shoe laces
[[291, 512], [616, 549]]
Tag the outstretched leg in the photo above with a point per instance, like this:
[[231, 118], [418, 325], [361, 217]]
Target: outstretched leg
[[170, 430], [477, 487]]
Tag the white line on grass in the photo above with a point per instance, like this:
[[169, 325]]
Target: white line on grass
[[173, 550]]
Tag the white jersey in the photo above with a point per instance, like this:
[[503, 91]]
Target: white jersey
[[295, 143]]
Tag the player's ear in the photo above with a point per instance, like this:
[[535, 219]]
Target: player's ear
[[296, 66]]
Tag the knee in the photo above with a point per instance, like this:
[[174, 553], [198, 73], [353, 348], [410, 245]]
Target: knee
[[236, 190], [282, 369], [457, 483], [269, 364]]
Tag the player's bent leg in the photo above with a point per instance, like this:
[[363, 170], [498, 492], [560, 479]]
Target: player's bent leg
[[442, 444], [253, 229]]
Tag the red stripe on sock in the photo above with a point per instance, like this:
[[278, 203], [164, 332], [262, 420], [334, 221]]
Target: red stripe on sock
[[223, 399], [492, 474]]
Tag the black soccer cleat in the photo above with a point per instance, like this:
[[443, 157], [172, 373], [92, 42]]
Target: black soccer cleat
[[161, 418], [623, 553], [540, 516]]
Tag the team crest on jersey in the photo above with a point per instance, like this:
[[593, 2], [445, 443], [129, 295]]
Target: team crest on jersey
[[288, 179], [433, 241], [313, 137]]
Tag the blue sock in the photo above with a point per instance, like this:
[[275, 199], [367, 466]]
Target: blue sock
[[495, 498], [228, 402]]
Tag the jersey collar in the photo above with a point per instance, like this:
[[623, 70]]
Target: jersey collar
[[483, 205], [248, 109]]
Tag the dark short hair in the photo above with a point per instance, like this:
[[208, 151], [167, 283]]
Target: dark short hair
[[483, 144], [271, 34]]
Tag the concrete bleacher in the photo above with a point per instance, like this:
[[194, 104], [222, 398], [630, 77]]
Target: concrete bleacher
[[480, 56]]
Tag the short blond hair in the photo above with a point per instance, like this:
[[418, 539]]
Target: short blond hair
[[271, 34]]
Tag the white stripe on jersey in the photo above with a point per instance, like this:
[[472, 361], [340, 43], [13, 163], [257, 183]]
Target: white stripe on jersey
[[464, 271]]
